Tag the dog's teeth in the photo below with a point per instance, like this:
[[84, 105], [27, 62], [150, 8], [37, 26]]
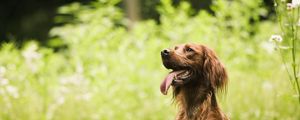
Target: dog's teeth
[[186, 73]]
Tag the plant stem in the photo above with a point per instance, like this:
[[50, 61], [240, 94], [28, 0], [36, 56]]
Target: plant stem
[[294, 65], [280, 22], [291, 33]]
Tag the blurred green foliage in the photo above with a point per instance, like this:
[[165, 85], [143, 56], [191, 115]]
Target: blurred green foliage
[[107, 72], [287, 42]]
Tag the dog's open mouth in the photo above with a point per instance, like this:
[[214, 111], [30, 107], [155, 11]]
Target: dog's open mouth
[[174, 77]]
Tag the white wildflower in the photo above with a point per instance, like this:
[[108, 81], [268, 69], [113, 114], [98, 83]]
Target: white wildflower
[[85, 97], [296, 3], [293, 4], [290, 6], [2, 70], [268, 46], [76, 79], [3, 81], [267, 86], [13, 91], [276, 38], [79, 68], [60, 100], [31, 53], [31, 56], [64, 90], [50, 111]]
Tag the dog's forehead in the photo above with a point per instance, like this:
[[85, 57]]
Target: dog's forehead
[[196, 47]]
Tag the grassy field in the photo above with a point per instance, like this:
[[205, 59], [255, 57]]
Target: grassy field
[[106, 72]]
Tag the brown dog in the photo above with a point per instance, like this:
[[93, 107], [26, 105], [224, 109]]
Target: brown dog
[[196, 76]]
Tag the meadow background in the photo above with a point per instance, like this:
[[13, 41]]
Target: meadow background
[[95, 68]]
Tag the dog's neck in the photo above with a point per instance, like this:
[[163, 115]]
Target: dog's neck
[[196, 104]]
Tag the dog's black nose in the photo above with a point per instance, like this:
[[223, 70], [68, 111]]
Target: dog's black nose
[[165, 53]]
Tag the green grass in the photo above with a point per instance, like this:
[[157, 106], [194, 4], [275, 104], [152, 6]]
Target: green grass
[[107, 72]]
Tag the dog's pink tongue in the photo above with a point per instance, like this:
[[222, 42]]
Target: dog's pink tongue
[[165, 85]]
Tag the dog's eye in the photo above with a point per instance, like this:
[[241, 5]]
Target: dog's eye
[[189, 50], [176, 48]]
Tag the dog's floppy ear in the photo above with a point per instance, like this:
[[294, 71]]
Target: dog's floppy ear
[[214, 70]]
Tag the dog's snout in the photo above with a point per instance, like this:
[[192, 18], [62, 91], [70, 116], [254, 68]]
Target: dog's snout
[[165, 53]]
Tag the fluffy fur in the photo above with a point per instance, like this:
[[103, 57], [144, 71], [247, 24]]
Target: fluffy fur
[[195, 93]]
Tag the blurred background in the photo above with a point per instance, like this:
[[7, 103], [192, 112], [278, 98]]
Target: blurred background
[[100, 59]]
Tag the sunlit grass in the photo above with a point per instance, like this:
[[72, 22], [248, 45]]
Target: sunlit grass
[[107, 72]]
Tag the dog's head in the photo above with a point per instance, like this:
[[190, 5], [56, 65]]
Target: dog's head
[[192, 64]]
